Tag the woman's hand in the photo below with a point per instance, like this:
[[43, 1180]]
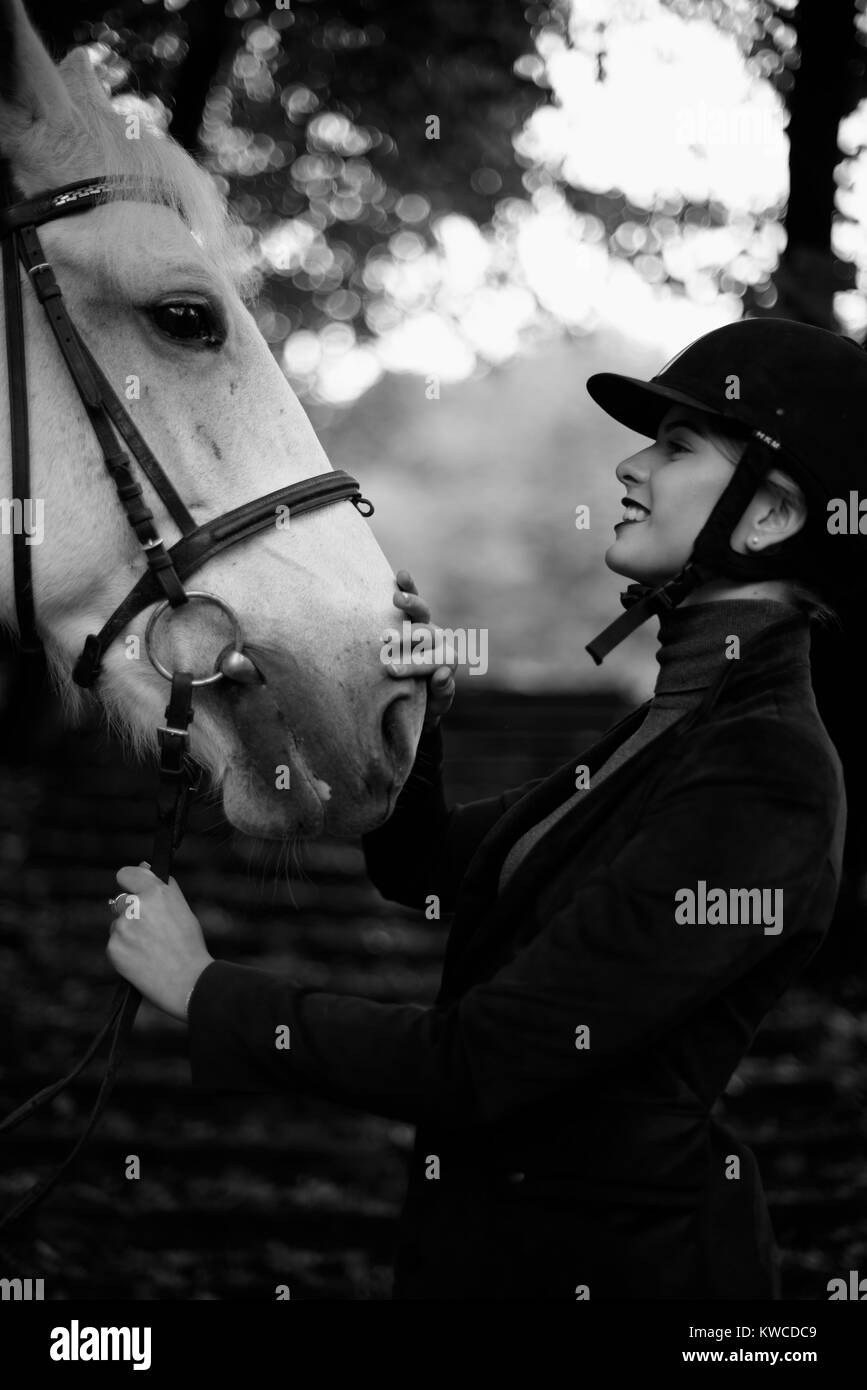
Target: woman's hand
[[161, 950], [441, 688]]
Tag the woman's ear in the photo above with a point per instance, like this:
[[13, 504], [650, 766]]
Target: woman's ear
[[777, 511]]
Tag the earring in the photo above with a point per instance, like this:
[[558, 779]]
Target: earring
[[754, 540]]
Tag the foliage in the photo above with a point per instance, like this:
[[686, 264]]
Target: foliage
[[318, 118]]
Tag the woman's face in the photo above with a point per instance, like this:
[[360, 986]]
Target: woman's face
[[673, 485]]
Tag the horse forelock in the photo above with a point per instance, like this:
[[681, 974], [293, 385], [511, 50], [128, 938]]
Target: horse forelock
[[121, 136], [167, 173]]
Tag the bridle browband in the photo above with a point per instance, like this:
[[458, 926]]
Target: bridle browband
[[167, 567]]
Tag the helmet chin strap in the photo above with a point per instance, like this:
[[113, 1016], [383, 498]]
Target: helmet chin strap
[[642, 602]]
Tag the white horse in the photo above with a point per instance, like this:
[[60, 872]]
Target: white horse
[[313, 598]]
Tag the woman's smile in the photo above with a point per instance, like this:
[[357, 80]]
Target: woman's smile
[[633, 511]]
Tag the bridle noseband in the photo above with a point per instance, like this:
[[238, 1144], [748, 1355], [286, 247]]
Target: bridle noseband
[[167, 567]]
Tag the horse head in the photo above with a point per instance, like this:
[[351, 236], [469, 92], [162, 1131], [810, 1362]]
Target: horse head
[[156, 288]]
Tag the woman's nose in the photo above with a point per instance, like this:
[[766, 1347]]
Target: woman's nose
[[635, 469]]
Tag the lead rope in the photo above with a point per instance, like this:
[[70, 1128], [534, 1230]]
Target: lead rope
[[179, 780]]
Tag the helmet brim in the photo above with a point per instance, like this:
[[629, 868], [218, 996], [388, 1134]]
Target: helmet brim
[[639, 405]]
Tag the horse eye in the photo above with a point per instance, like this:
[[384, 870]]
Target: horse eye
[[189, 323]]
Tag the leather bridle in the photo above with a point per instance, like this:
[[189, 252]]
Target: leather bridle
[[167, 567]]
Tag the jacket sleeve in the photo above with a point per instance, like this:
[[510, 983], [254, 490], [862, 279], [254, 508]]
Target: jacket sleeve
[[426, 845], [612, 961]]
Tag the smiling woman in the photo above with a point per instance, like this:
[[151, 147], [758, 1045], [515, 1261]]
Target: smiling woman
[[563, 1085], [699, 452]]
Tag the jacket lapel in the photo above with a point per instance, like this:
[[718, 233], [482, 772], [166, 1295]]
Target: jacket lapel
[[488, 859], [478, 897]]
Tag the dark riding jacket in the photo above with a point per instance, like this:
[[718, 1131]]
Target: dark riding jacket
[[562, 1084]]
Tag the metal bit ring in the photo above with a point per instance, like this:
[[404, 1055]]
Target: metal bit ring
[[237, 636]]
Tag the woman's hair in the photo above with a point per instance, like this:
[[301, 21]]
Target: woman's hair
[[731, 440]]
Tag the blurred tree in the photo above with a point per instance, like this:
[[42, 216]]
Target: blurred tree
[[248, 87], [829, 83], [364, 118]]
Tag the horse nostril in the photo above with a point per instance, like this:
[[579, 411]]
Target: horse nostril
[[397, 732], [237, 666]]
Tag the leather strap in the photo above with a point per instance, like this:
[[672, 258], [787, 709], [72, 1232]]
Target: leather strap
[[50, 297], [35, 1102], [90, 389], [143, 455], [19, 427], [175, 782], [193, 550], [643, 603], [35, 1194], [77, 197]]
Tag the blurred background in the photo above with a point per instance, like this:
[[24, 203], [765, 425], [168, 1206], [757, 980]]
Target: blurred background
[[454, 214]]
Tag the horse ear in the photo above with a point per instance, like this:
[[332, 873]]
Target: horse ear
[[82, 80], [34, 99]]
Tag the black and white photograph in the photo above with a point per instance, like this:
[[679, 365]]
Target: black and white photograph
[[433, 595]]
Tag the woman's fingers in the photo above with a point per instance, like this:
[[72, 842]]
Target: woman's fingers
[[441, 684], [429, 650], [441, 694], [409, 601], [441, 679], [432, 656]]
